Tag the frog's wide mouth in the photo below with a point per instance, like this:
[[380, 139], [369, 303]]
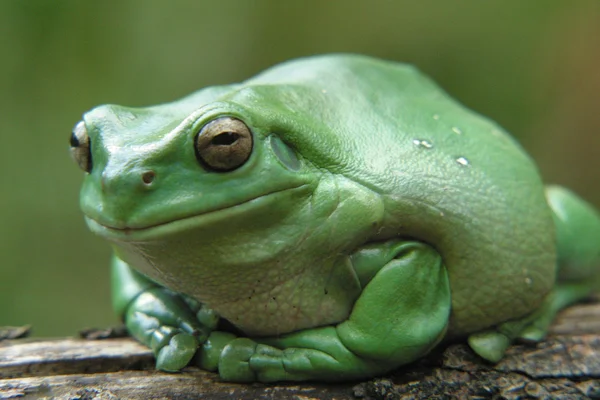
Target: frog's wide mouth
[[160, 229]]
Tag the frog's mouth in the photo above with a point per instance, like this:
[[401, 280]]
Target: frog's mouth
[[162, 229]]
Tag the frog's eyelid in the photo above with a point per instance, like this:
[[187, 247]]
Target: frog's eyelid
[[206, 114]]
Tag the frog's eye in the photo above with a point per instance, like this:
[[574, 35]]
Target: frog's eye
[[80, 147], [223, 144]]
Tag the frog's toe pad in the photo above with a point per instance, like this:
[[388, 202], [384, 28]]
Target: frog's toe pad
[[177, 353], [489, 345]]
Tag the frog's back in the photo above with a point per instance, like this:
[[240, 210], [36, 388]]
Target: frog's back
[[448, 176]]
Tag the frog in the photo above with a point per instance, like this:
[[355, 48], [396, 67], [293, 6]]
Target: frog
[[331, 219]]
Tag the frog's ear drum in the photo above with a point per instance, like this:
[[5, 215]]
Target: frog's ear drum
[[223, 144], [80, 147]]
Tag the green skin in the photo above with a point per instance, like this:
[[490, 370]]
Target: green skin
[[374, 217]]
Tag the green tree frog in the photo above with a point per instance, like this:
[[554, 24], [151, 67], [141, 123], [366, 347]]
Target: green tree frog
[[330, 219]]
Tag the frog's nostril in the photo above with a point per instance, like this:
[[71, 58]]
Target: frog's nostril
[[148, 177]]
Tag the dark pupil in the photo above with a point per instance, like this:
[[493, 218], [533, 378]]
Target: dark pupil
[[225, 139], [74, 141]]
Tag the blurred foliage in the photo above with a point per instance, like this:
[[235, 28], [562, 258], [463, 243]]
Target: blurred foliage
[[534, 66]]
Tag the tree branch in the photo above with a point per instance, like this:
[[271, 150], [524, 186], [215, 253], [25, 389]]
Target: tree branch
[[565, 365]]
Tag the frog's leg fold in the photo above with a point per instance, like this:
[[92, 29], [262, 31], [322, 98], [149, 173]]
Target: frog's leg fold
[[172, 325], [578, 274], [401, 314]]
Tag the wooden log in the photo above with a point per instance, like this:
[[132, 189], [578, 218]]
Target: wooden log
[[564, 366]]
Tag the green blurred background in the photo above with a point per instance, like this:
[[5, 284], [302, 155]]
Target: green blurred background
[[532, 65]]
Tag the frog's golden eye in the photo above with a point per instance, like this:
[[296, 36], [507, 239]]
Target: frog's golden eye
[[224, 144], [80, 147]]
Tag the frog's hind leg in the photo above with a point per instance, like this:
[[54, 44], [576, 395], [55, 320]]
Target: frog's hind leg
[[578, 257], [578, 274]]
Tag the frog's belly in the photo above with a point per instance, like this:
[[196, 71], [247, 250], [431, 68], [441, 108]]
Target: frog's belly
[[260, 299]]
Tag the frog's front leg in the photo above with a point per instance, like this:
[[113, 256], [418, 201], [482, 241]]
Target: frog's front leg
[[172, 325], [402, 314]]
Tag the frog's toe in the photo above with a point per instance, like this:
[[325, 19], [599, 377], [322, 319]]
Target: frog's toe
[[492, 343], [489, 345], [269, 364], [533, 333], [243, 360], [563, 295], [176, 352], [210, 354], [234, 363]]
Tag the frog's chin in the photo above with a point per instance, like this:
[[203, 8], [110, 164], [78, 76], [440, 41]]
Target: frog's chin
[[169, 228]]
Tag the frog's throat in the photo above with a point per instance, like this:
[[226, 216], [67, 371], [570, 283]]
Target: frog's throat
[[152, 231]]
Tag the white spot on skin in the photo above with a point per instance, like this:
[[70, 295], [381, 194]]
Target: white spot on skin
[[456, 130], [422, 143], [528, 281], [436, 117], [462, 161], [323, 91]]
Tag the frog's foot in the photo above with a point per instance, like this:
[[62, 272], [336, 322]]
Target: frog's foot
[[171, 325], [491, 344], [246, 360]]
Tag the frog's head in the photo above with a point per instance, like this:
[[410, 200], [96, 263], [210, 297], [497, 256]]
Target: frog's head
[[228, 178], [155, 171]]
